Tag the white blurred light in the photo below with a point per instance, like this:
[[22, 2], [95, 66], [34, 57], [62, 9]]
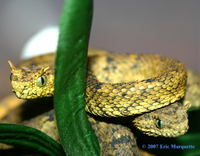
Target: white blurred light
[[42, 42]]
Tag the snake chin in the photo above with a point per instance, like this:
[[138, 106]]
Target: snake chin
[[23, 95], [170, 121]]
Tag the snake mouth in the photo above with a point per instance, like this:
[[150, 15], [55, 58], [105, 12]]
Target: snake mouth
[[20, 94], [170, 133], [17, 93]]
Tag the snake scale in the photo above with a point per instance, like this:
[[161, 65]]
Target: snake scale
[[143, 86]]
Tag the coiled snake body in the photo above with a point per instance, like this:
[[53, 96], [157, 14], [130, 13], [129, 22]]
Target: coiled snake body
[[118, 85]]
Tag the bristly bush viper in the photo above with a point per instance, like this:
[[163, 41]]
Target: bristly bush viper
[[142, 86]]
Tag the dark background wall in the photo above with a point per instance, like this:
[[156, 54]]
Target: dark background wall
[[170, 28]]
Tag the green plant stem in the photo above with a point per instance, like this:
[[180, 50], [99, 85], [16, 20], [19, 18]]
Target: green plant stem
[[76, 134]]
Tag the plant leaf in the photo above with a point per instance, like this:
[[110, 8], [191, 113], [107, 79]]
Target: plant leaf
[[27, 137], [76, 134]]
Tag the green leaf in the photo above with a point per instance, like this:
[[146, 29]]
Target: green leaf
[[27, 137], [193, 109], [76, 134]]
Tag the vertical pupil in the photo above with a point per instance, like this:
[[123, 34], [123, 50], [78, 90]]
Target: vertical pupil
[[159, 123], [42, 79]]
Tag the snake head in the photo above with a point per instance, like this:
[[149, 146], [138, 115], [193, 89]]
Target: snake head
[[32, 82], [169, 121]]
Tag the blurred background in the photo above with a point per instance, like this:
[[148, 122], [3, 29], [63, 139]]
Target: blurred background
[[170, 28]]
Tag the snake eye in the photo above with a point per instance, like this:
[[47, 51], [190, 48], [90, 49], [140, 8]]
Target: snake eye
[[160, 124], [11, 76], [41, 81]]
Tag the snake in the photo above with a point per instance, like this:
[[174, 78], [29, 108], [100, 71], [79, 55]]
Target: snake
[[156, 81], [144, 87]]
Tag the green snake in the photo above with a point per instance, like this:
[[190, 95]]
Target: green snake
[[118, 85]]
